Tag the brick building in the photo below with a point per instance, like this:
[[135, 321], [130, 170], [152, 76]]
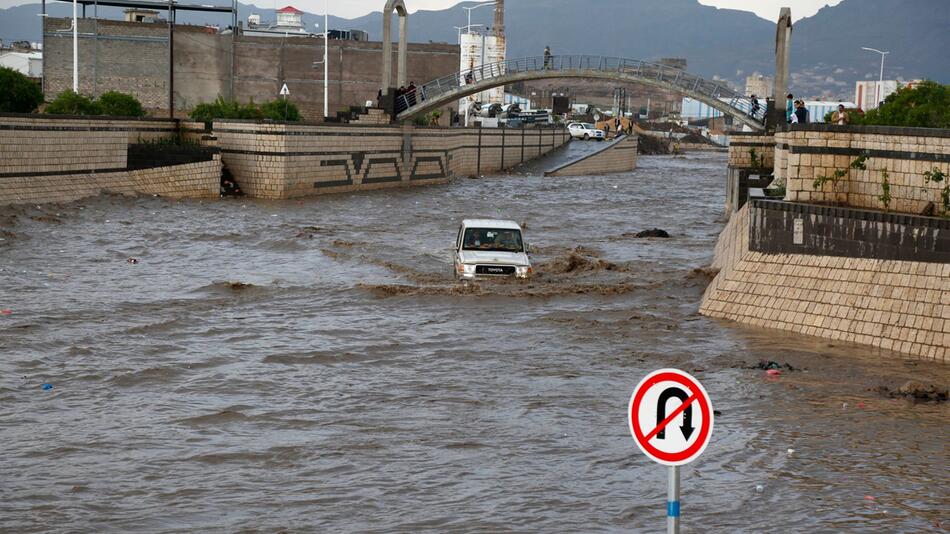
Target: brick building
[[133, 57]]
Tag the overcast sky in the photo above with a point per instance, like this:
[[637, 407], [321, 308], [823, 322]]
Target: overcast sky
[[767, 9]]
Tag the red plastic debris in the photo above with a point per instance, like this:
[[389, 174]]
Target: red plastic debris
[[868, 497], [860, 405], [6, 312], [773, 372]]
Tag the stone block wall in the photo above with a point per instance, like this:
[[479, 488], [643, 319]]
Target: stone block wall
[[742, 145], [53, 159], [619, 155], [904, 153], [287, 160], [132, 57], [901, 306]]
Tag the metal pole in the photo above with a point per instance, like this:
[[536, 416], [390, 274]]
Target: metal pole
[[880, 82], [673, 502], [326, 59], [171, 59], [75, 50]]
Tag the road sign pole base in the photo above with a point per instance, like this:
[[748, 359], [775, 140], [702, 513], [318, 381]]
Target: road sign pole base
[[673, 502]]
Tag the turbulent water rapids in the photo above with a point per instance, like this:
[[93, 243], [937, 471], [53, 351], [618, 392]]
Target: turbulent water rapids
[[312, 366]]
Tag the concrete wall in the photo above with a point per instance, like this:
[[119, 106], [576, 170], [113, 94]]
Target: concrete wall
[[619, 155], [286, 160], [48, 159], [848, 232], [906, 153], [903, 306], [133, 57]]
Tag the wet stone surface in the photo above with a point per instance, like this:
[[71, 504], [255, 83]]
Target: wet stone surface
[[312, 365]]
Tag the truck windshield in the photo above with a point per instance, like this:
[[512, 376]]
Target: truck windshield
[[492, 239]]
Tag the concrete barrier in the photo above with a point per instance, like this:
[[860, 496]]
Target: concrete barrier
[[619, 155]]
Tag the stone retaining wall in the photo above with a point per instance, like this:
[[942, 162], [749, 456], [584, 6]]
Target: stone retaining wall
[[287, 160], [905, 153], [61, 158], [619, 155], [742, 145], [194, 180], [903, 306]]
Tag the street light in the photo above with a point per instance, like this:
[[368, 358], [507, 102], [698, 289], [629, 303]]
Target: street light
[[880, 84], [326, 58], [75, 51], [468, 29], [469, 9]]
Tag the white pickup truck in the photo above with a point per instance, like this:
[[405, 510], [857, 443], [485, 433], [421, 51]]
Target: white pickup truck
[[488, 247]]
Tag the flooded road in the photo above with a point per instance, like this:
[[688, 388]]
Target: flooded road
[[312, 366]]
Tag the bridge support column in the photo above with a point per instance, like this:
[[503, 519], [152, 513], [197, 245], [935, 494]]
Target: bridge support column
[[783, 45], [387, 76]]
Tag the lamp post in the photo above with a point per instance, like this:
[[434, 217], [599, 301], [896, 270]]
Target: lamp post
[[880, 84], [75, 51], [469, 9], [326, 58]]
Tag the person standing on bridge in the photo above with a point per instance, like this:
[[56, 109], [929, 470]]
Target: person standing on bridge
[[547, 57], [801, 112], [789, 108], [754, 107], [840, 117]]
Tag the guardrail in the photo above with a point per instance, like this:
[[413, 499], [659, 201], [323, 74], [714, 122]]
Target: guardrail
[[677, 78]]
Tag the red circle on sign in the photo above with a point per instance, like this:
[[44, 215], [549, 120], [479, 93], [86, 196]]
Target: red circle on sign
[[705, 406]]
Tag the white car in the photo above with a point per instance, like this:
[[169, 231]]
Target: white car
[[487, 248], [585, 131]]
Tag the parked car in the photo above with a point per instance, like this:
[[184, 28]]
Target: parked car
[[488, 248], [585, 131]]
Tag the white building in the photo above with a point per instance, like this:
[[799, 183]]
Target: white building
[[289, 24], [869, 94], [481, 49], [759, 85], [27, 62]]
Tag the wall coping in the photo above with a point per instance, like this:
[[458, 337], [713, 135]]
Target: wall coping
[[853, 213], [749, 134], [50, 116], [861, 129], [607, 147]]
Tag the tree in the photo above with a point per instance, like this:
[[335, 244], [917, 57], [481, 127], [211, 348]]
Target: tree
[[70, 103], [18, 94], [120, 104], [926, 105]]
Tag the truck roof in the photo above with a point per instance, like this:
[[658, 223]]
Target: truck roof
[[491, 223]]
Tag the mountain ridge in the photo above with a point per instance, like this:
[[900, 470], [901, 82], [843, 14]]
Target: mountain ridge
[[718, 43]]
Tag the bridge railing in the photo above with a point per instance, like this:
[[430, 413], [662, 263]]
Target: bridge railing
[[688, 83]]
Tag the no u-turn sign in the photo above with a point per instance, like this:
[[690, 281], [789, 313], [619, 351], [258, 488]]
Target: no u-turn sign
[[671, 417]]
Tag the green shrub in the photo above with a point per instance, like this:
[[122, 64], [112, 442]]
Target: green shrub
[[70, 103], [222, 108], [120, 104], [927, 105], [280, 110], [18, 94]]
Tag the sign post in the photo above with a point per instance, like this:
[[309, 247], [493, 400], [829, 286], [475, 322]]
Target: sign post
[[651, 416]]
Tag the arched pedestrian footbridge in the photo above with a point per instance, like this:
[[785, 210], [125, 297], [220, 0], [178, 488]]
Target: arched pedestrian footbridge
[[445, 90]]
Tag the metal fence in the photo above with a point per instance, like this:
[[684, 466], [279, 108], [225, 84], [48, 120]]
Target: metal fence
[[677, 78]]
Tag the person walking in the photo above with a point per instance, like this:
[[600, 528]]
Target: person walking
[[789, 108], [547, 57], [411, 94], [754, 107]]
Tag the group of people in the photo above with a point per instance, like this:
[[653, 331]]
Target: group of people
[[795, 110], [406, 97]]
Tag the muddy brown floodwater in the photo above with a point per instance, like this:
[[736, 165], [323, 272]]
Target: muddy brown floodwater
[[311, 366]]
